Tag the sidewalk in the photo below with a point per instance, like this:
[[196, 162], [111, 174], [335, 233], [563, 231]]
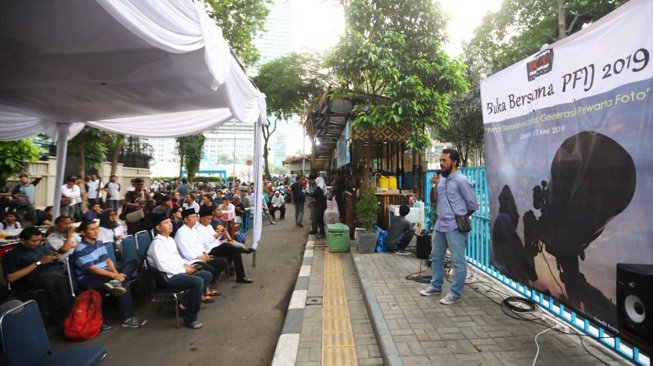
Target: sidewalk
[[393, 325]]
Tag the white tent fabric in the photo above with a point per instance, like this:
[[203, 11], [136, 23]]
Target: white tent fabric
[[157, 69]]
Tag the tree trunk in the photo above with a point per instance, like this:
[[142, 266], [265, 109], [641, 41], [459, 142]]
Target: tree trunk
[[181, 165], [266, 138], [562, 22], [266, 167], [115, 154]]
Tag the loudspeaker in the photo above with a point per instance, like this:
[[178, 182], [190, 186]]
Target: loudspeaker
[[423, 246], [635, 303]]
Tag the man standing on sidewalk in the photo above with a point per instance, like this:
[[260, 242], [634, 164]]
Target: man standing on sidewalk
[[455, 196], [298, 198]]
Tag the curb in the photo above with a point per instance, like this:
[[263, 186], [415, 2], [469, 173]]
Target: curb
[[288, 344], [387, 346]]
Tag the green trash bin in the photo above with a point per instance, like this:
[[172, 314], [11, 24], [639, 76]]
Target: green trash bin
[[338, 238]]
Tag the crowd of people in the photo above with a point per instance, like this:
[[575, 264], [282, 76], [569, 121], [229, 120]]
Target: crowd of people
[[195, 234], [195, 231]]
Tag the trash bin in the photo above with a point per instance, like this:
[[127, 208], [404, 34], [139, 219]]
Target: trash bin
[[338, 238]]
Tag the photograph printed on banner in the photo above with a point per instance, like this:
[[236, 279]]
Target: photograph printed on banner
[[571, 196]]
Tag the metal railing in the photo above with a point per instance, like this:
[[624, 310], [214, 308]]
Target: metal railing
[[478, 255]]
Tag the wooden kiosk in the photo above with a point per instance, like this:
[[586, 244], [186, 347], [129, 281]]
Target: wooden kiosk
[[356, 159]]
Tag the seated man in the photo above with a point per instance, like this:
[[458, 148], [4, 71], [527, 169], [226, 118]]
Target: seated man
[[278, 203], [96, 271], [163, 255], [190, 247], [239, 208], [32, 266], [44, 217], [63, 239], [189, 202], [218, 243], [164, 207], [94, 212], [401, 232]]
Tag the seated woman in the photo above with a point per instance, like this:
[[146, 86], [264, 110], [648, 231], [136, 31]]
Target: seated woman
[[110, 229], [164, 256]]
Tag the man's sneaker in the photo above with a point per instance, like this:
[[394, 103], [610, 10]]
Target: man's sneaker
[[402, 252], [132, 322], [449, 299], [105, 328], [114, 290], [429, 291]]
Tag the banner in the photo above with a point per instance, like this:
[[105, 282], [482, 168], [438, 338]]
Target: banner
[[570, 162]]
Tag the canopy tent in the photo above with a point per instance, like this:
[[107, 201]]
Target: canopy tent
[[152, 69]]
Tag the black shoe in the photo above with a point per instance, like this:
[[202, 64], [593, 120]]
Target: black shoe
[[244, 280], [250, 250]]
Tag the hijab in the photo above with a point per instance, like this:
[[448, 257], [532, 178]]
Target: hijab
[[105, 222]]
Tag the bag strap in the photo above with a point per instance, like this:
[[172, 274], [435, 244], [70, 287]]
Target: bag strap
[[446, 195]]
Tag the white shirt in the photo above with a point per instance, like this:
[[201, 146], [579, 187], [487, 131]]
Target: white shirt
[[189, 244], [228, 213], [109, 235], [195, 206], [277, 201], [57, 239], [114, 191], [73, 193], [164, 256], [206, 236], [93, 185]]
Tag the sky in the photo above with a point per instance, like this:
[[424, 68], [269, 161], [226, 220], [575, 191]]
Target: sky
[[321, 22]]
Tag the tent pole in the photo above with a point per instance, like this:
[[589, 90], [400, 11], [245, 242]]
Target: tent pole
[[62, 151]]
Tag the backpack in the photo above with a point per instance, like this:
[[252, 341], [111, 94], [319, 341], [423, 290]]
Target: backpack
[[85, 319]]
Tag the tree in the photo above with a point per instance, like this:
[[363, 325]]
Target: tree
[[90, 146], [391, 58], [240, 22], [290, 83], [114, 143], [191, 152], [465, 127], [520, 28], [15, 155]]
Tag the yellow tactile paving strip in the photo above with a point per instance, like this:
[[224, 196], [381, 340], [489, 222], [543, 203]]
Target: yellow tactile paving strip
[[337, 337]]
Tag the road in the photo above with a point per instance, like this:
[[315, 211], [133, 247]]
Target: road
[[241, 327]]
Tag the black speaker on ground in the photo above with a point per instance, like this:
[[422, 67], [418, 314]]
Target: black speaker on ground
[[423, 246], [635, 303]]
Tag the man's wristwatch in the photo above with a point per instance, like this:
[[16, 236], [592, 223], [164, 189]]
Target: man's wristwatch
[[38, 263]]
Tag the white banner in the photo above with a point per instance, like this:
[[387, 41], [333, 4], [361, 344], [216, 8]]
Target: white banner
[[613, 51]]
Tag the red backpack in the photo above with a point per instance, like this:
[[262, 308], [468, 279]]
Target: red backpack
[[85, 319]]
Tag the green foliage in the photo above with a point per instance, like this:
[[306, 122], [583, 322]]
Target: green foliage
[[367, 209], [240, 21], [290, 83], [91, 146], [191, 152], [14, 155], [391, 58], [465, 127], [521, 27]]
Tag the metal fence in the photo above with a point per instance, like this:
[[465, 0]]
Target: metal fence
[[478, 254]]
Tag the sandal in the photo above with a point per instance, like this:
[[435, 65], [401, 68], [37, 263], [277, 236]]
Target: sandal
[[195, 325], [207, 300], [215, 293]]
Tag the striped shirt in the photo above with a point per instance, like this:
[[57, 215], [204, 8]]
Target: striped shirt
[[87, 255]]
